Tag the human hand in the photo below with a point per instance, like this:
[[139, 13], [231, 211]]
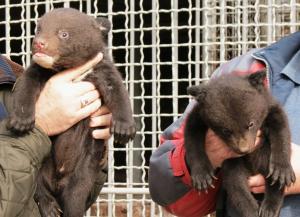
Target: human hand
[[101, 118], [217, 151], [59, 105], [257, 182]]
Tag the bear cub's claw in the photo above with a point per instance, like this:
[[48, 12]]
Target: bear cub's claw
[[268, 210], [20, 125], [202, 178], [281, 172], [49, 208], [123, 131]]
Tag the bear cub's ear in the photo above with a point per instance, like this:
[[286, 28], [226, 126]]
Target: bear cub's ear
[[104, 25], [199, 92], [257, 79]]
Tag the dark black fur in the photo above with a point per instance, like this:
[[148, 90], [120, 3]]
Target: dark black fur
[[68, 175], [235, 108]]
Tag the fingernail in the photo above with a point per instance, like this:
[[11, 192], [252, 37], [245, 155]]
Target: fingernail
[[100, 56], [98, 103]]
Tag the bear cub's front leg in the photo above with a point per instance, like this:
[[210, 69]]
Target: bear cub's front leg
[[280, 169], [22, 116], [202, 172]]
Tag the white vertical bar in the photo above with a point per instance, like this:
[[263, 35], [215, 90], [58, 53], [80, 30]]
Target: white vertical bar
[[190, 42], [153, 88], [36, 13], [153, 60], [238, 15], [111, 160], [67, 4], [28, 32], [88, 6], [293, 16], [7, 28], [130, 145], [142, 154], [158, 67], [205, 39], [127, 59], [95, 6], [197, 42], [256, 19], [234, 16], [222, 30], [80, 5], [48, 5], [270, 21], [23, 34], [273, 22], [174, 25], [245, 27]]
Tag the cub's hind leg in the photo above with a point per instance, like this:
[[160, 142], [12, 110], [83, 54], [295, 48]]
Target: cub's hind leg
[[46, 180], [272, 201], [76, 193], [235, 183]]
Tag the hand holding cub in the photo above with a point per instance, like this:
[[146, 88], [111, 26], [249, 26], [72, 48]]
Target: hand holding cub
[[58, 110]]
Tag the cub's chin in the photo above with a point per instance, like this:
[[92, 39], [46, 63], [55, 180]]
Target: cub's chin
[[44, 60]]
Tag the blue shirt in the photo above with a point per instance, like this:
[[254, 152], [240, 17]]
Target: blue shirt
[[6, 77], [283, 63]]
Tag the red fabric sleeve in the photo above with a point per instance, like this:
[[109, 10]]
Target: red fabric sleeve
[[193, 203]]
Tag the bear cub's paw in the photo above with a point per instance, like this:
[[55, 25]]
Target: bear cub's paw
[[48, 206], [19, 123], [202, 177], [268, 209], [51, 209], [281, 172], [123, 131]]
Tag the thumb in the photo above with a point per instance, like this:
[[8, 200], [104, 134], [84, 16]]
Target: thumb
[[77, 73], [256, 180]]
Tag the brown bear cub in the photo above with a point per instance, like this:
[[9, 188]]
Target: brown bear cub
[[235, 108], [67, 38]]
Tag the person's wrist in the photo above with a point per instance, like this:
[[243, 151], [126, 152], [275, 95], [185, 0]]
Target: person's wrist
[[40, 124]]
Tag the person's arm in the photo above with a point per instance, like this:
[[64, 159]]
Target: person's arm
[[20, 159], [295, 161], [257, 182]]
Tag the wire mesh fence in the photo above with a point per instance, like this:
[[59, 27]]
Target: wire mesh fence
[[161, 47]]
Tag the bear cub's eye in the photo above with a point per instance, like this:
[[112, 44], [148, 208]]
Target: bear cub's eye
[[63, 34], [38, 30], [226, 132]]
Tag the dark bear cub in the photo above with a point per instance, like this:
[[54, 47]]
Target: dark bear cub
[[235, 108], [67, 38]]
